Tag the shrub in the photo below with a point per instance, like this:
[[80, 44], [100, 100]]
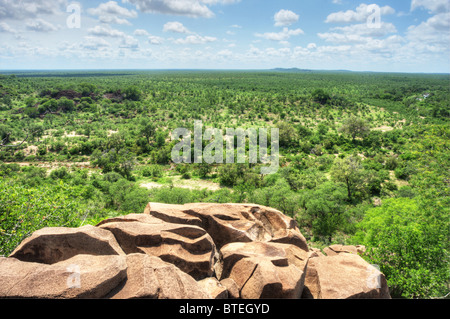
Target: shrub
[[410, 246]]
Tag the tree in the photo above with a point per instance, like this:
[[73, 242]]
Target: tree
[[148, 130], [121, 162], [66, 105], [288, 135], [132, 93], [350, 172], [87, 88], [324, 208], [408, 239], [355, 127], [320, 96]]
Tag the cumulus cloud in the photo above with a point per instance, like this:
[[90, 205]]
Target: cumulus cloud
[[4, 27], [280, 36], [129, 42], [189, 8], [40, 25], [176, 27], [362, 12], [285, 18], [111, 12], [101, 31], [94, 43], [195, 39], [19, 10], [357, 33], [435, 6], [141, 32], [155, 40], [126, 41], [433, 32]]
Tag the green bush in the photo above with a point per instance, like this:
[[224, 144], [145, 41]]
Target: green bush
[[410, 246], [25, 209]]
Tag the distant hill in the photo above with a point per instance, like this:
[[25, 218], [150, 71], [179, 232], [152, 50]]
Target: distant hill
[[291, 70], [297, 70]]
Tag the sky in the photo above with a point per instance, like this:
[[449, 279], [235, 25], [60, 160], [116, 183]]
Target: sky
[[382, 36]]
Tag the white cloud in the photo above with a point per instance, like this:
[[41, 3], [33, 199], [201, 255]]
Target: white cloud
[[113, 20], [94, 43], [4, 27], [435, 6], [225, 53], [440, 22], [360, 15], [280, 36], [433, 32], [18, 10], [129, 42], [40, 25], [176, 27], [189, 8], [111, 12], [195, 39], [357, 33], [106, 32], [285, 18], [141, 32], [155, 40]]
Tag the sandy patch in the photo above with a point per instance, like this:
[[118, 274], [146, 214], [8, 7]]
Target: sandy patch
[[383, 128], [177, 182]]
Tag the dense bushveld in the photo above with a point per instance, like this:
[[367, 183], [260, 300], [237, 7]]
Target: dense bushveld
[[365, 157]]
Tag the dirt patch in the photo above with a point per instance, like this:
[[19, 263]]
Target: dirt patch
[[30, 150], [399, 182], [73, 134], [193, 184], [383, 128]]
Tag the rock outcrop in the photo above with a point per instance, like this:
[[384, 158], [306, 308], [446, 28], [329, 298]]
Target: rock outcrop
[[52, 245], [344, 276], [193, 251]]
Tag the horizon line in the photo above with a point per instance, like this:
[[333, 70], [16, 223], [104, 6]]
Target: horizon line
[[293, 69]]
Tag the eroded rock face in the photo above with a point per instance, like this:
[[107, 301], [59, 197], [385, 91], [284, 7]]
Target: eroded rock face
[[82, 276], [198, 251], [227, 223], [264, 270], [51, 245], [344, 276], [190, 248], [149, 277], [214, 287]]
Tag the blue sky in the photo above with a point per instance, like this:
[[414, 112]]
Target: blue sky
[[397, 36]]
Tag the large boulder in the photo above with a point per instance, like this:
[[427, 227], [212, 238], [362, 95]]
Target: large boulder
[[228, 223], [214, 288], [54, 244], [172, 214], [334, 250], [344, 276], [82, 276], [190, 248], [264, 270], [149, 277], [142, 218]]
